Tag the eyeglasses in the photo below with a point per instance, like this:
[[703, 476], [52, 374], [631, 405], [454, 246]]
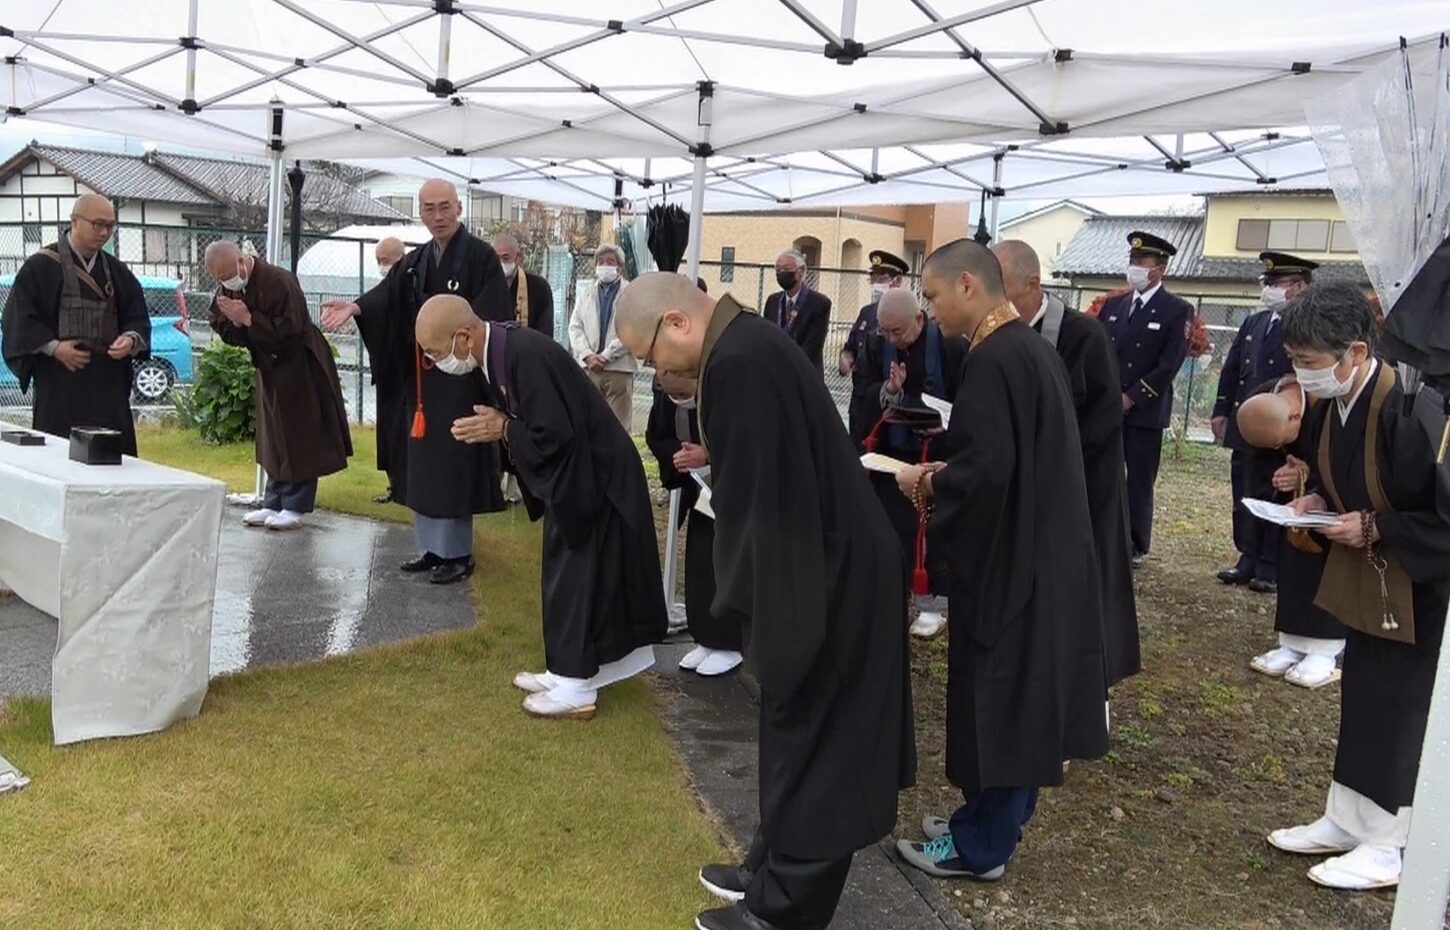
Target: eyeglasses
[[100, 226], [649, 355]]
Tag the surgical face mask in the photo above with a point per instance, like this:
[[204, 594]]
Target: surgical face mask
[[877, 290], [384, 268], [1138, 278], [509, 268], [606, 274], [1273, 295], [1323, 382], [235, 283], [786, 279], [451, 364]]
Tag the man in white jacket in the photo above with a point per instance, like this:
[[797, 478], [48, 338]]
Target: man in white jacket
[[592, 338]]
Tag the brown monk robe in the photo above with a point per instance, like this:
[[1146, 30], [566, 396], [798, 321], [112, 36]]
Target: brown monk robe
[[1310, 638], [302, 431]]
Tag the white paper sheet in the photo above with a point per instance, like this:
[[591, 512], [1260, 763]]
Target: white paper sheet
[[875, 461], [10, 777], [702, 503], [941, 407], [1285, 516]]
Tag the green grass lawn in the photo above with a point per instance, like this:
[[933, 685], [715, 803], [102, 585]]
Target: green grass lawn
[[402, 787]]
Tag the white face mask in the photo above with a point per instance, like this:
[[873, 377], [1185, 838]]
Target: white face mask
[[1138, 278], [606, 274], [384, 269], [1323, 382], [877, 290], [1273, 296], [451, 364], [235, 283], [509, 268], [684, 403]]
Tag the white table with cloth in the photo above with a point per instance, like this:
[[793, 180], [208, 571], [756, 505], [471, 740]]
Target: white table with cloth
[[125, 558]]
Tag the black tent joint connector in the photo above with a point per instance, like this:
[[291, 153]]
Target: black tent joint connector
[[1266, 181], [445, 7], [702, 150], [455, 101], [7, 33], [845, 54], [1062, 56], [873, 178], [568, 124], [859, 107], [339, 105], [1177, 167], [442, 87], [190, 107], [615, 25], [457, 153], [1300, 67], [188, 42], [14, 111], [1058, 128]]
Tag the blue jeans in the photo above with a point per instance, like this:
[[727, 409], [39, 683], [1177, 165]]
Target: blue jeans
[[988, 826]]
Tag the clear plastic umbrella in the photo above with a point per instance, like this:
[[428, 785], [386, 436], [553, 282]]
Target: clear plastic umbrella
[[1385, 139]]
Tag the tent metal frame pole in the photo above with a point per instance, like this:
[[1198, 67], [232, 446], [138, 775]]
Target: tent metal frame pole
[[692, 256], [1425, 884], [996, 187], [275, 181]]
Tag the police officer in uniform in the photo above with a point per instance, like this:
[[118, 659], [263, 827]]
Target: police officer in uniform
[[887, 271], [1149, 328], [1257, 356]]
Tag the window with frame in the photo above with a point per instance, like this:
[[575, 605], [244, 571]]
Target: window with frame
[[1253, 236], [403, 205], [727, 264], [1340, 238], [485, 210]]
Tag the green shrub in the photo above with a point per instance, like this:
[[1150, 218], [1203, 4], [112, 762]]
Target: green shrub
[[222, 402]]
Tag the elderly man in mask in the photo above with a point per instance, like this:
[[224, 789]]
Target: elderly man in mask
[[592, 336]]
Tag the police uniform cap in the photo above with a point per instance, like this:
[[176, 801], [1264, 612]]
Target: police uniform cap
[[883, 261], [1282, 264], [1145, 243]]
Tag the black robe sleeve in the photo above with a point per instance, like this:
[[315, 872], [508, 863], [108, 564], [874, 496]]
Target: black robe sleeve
[[1419, 539], [976, 496], [550, 454], [770, 543], [866, 384], [541, 306], [379, 330], [30, 316], [1093, 376]]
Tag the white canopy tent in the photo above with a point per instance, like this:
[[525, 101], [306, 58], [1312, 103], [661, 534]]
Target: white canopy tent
[[729, 104]]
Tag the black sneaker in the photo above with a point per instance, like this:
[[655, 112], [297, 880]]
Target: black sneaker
[[1260, 586], [452, 571], [734, 917], [727, 882], [423, 563]]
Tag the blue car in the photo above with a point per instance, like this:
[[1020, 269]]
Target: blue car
[[170, 361]]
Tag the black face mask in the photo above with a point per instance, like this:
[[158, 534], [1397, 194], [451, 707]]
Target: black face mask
[[786, 279]]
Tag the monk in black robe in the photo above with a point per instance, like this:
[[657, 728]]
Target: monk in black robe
[[388, 405], [907, 357], [578, 469], [673, 435], [529, 294], [806, 560], [1092, 375], [1269, 422], [1025, 681], [302, 431], [444, 482], [1371, 453], [73, 324]]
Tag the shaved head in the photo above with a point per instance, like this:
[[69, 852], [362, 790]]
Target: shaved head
[[1021, 276], [441, 316], [439, 208], [899, 317], [661, 319], [225, 262], [92, 220], [389, 251], [1271, 421], [962, 280], [221, 250]]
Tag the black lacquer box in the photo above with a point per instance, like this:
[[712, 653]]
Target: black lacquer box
[[91, 446]]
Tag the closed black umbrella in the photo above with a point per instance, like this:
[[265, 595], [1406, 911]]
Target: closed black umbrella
[[668, 235]]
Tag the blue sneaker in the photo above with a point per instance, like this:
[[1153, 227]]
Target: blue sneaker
[[939, 857]]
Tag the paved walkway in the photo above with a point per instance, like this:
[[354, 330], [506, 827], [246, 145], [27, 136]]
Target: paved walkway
[[714, 722], [282, 598]]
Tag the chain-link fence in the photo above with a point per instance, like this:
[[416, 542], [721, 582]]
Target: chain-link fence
[[178, 292]]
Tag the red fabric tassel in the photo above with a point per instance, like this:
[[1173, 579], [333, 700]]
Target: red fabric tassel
[[420, 424], [869, 443]]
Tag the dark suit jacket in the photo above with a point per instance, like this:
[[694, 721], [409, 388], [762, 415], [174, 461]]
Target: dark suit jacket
[[808, 329], [1256, 356], [1151, 348]]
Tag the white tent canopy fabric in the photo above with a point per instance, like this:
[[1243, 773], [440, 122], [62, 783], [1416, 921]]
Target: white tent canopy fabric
[[563, 102]]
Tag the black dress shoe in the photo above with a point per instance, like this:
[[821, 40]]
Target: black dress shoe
[[1260, 586], [423, 563], [1235, 576], [734, 917], [727, 882], [452, 571]]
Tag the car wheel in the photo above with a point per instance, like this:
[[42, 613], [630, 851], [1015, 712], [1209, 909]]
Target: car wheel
[[152, 379]]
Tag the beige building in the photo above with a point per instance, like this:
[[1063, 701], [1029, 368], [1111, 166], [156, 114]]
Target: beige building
[[1048, 230], [738, 250], [1217, 266]]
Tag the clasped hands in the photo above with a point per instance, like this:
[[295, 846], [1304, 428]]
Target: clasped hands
[[486, 425], [909, 477], [234, 310]]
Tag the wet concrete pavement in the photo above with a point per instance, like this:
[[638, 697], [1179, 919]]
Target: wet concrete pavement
[[282, 598], [713, 721]]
